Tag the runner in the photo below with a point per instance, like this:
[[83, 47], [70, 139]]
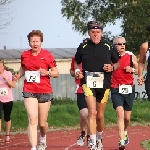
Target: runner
[[82, 105], [123, 89], [38, 65], [6, 97], [96, 56], [144, 57]]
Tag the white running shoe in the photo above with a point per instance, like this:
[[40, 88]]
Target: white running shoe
[[81, 140]]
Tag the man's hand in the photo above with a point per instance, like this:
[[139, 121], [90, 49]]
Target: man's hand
[[128, 69], [140, 80], [78, 75], [107, 67]]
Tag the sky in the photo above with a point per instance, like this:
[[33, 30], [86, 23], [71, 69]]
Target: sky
[[44, 15]]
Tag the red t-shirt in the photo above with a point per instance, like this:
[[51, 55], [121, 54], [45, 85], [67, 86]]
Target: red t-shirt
[[77, 81], [120, 76], [44, 60]]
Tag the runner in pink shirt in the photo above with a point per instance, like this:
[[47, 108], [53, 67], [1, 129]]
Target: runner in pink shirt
[[6, 98]]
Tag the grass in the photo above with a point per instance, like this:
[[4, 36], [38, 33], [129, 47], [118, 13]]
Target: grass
[[64, 113], [146, 144]]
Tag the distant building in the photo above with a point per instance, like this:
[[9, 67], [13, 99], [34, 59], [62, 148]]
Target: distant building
[[63, 87], [62, 56]]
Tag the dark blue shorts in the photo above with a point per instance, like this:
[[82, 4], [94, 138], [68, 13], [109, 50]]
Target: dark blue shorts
[[124, 100]]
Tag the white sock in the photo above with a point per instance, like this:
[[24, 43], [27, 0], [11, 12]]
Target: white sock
[[93, 138], [33, 148], [99, 135], [125, 132], [43, 139]]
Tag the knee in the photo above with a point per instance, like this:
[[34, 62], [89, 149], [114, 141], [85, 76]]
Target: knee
[[33, 121], [43, 125], [120, 112], [127, 119], [92, 113], [84, 116], [100, 116]]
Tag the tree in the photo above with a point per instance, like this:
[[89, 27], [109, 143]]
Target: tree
[[135, 15], [5, 14]]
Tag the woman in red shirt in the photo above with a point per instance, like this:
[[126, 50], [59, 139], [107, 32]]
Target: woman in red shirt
[[38, 65]]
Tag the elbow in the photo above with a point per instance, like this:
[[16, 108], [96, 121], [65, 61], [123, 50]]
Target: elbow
[[56, 75], [136, 72]]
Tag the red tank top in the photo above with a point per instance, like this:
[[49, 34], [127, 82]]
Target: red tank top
[[77, 81], [120, 76]]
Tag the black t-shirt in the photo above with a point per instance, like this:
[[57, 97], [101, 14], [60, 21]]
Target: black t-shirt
[[94, 56]]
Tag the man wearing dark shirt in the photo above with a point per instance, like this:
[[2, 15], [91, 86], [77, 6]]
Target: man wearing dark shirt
[[99, 58]]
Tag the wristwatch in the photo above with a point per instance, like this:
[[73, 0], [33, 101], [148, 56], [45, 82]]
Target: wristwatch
[[133, 70], [49, 74]]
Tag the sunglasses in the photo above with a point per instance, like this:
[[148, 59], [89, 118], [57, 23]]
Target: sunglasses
[[120, 44]]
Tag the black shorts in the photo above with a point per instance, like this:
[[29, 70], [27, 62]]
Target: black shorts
[[124, 100], [41, 97], [6, 108], [100, 94], [81, 102]]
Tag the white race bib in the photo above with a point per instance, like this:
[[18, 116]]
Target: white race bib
[[32, 76], [3, 91], [94, 79], [125, 89]]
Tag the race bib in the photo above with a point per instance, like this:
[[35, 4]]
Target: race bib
[[125, 89], [32, 76], [94, 79], [3, 91], [77, 87]]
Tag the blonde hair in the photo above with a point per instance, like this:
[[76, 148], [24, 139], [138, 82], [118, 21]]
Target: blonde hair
[[5, 67], [2, 61]]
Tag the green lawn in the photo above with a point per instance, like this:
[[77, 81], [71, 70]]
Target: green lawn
[[64, 113]]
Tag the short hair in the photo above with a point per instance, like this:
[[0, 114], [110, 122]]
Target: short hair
[[35, 33], [118, 37], [97, 24]]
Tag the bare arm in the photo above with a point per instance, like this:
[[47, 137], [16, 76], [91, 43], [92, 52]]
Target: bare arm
[[141, 64], [10, 83], [19, 75], [72, 73], [54, 72], [135, 64], [76, 66], [116, 66]]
